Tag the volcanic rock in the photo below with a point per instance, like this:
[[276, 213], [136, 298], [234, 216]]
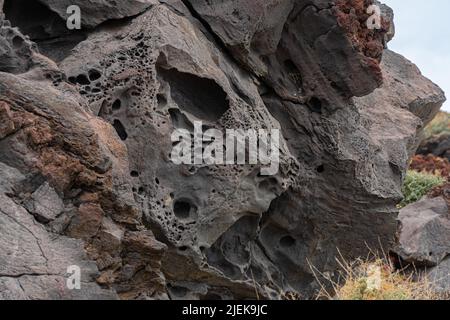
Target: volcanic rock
[[85, 143]]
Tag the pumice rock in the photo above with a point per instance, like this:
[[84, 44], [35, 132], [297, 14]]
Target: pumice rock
[[85, 143]]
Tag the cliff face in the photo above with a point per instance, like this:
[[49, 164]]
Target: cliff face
[[85, 139]]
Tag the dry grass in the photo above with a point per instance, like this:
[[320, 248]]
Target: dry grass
[[439, 125], [374, 279]]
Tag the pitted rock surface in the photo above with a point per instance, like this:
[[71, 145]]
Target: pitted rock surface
[[85, 139]]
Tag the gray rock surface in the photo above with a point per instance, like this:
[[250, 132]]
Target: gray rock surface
[[33, 262], [438, 146], [439, 277], [301, 49], [95, 12], [387, 14], [424, 242], [45, 204], [425, 232], [16, 51], [84, 146], [54, 148]]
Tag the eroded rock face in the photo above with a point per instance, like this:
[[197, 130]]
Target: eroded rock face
[[98, 11], [85, 144], [304, 50], [67, 198]]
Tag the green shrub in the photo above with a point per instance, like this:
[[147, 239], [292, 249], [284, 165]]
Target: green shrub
[[417, 185]]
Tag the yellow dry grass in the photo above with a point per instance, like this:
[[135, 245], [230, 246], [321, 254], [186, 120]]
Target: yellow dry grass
[[374, 279]]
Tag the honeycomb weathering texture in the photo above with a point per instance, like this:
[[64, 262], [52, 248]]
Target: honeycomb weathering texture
[[85, 138]]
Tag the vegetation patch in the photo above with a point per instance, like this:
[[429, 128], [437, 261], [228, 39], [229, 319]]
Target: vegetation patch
[[375, 279], [439, 125], [432, 165], [417, 185]]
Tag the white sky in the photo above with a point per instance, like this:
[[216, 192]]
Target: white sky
[[423, 36]]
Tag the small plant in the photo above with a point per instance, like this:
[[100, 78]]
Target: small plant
[[417, 185]]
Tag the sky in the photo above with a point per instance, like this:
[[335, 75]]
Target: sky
[[423, 36]]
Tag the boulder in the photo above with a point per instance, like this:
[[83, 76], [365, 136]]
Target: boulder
[[437, 145], [425, 232], [439, 278]]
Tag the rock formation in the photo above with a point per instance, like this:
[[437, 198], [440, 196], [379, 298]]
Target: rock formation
[[85, 138], [423, 248], [438, 146]]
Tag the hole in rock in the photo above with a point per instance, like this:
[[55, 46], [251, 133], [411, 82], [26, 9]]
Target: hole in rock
[[17, 42], [73, 80], [117, 104], [335, 86], [134, 174], [33, 18], [183, 209], [94, 75], [315, 105], [290, 65], [287, 241], [294, 73], [177, 291], [45, 27], [201, 97], [120, 129], [162, 101], [321, 168], [83, 80]]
